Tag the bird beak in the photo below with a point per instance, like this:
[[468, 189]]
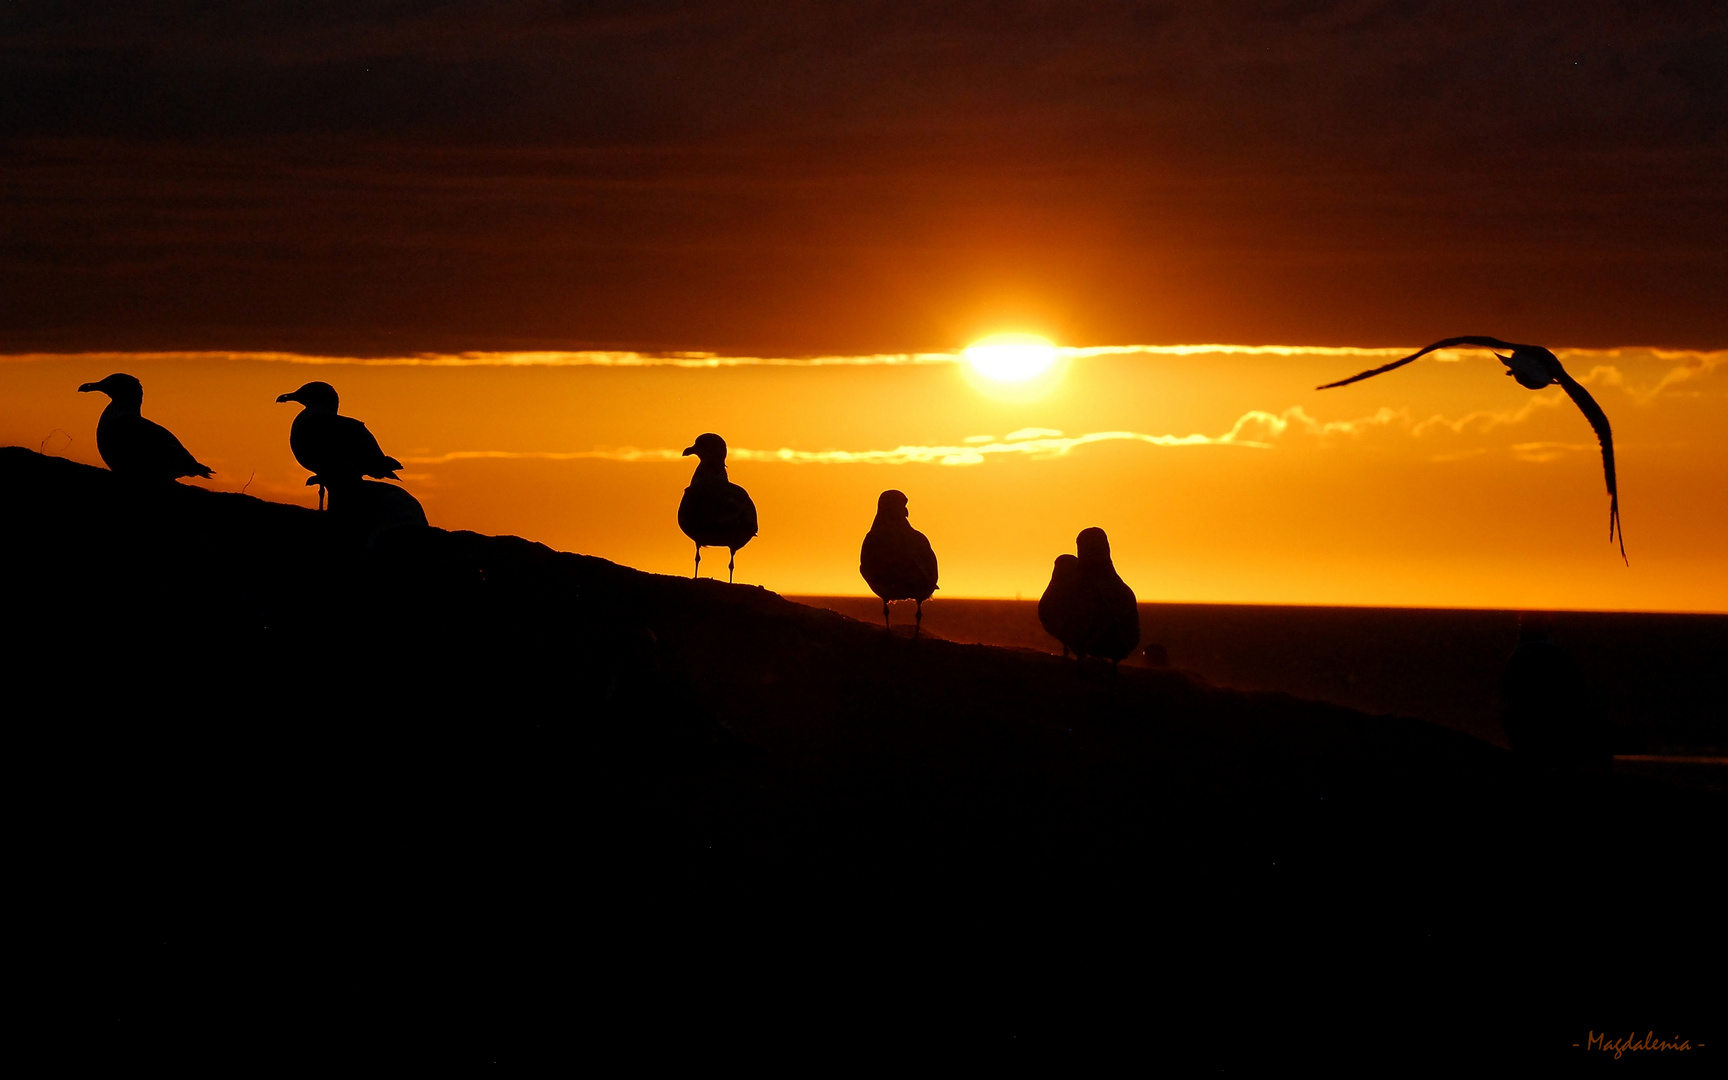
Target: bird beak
[[87, 387], [688, 450], [286, 397]]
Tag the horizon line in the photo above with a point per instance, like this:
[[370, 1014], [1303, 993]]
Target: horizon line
[[1029, 599]]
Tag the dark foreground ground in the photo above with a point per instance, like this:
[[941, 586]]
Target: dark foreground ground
[[1658, 680], [290, 791]]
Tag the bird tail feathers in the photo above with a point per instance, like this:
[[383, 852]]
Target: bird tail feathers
[[1614, 529]]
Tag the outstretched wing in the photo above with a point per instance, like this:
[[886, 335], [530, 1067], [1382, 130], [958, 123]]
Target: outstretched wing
[[1449, 343], [1604, 435]]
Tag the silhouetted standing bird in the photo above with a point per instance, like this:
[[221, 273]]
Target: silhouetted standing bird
[[1087, 606], [336, 448], [897, 560], [715, 512], [1535, 368], [133, 446]]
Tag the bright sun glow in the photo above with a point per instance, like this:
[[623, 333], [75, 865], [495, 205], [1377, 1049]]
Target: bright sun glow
[[1011, 357]]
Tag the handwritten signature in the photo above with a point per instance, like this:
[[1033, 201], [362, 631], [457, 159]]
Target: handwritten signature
[[1632, 1043]]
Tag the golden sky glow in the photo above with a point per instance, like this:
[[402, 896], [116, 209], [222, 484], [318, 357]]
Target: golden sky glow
[[1219, 472]]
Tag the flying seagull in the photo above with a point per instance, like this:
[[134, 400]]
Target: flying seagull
[[336, 448], [1534, 367], [1087, 606], [897, 560], [133, 446], [715, 512]]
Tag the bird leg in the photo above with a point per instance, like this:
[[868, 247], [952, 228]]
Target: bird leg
[[320, 496], [918, 626], [698, 569], [732, 558], [887, 623]]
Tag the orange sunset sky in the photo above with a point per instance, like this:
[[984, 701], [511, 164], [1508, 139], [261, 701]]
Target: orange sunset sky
[[1219, 473], [495, 227]]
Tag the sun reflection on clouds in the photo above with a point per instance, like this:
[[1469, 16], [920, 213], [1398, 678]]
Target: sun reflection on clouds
[[1601, 367], [1254, 429], [1540, 453]]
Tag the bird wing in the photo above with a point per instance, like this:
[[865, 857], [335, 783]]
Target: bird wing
[[746, 508], [157, 445], [1604, 435], [925, 557], [361, 450], [1448, 343], [716, 512]]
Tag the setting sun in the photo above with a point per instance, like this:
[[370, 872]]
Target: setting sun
[[1011, 357]]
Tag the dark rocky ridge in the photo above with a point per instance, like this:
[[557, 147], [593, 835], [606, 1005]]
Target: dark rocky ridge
[[450, 791]]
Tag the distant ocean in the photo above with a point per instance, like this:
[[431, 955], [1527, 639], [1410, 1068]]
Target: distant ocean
[[1662, 680]]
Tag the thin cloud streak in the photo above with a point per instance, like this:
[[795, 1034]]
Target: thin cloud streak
[[1540, 453], [512, 359], [1691, 364], [1038, 443], [1488, 419], [1252, 429]]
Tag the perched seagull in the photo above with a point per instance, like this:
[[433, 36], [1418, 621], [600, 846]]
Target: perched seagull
[[133, 446], [336, 448], [715, 512], [1535, 368], [1059, 607], [1087, 606], [897, 561]]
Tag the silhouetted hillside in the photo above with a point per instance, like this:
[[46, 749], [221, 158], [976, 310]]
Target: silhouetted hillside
[[363, 776]]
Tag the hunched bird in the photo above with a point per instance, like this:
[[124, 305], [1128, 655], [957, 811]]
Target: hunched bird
[[336, 448], [897, 560], [1059, 607], [715, 512], [133, 446], [1535, 368], [1087, 606]]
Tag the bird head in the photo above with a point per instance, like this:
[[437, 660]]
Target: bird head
[[122, 388], [709, 447], [891, 504], [1093, 545], [314, 395]]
